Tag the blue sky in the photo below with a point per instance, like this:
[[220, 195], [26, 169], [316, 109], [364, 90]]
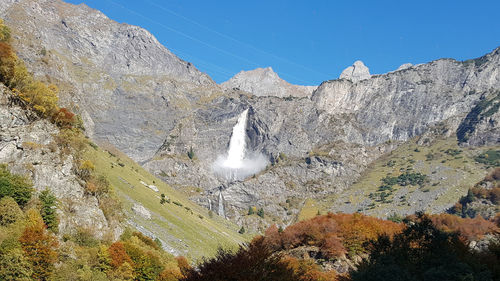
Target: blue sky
[[307, 42]]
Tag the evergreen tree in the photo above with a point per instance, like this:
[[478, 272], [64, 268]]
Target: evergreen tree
[[48, 210], [242, 230], [260, 212]]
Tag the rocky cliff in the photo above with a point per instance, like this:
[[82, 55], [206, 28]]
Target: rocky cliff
[[29, 146]]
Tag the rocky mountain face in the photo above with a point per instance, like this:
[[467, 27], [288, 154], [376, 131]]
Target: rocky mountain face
[[117, 76], [28, 146], [137, 96], [266, 82]]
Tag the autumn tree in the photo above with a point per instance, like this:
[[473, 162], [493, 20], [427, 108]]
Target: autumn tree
[[118, 255], [39, 246]]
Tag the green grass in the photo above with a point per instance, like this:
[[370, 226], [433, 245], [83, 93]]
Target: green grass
[[449, 171], [309, 210], [185, 227]]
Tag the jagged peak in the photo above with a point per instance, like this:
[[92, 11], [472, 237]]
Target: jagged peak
[[356, 72]]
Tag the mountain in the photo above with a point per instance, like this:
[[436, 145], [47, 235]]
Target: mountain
[[265, 82], [135, 95], [116, 76]]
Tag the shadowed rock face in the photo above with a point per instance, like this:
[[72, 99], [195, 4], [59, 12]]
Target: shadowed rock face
[[136, 95]]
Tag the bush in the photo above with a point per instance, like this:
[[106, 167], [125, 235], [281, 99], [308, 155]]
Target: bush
[[15, 186], [9, 211], [15, 266]]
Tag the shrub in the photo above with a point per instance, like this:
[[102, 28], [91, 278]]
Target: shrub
[[85, 238], [15, 186], [9, 211], [118, 255], [15, 266]]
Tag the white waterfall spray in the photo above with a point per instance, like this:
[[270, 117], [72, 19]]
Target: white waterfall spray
[[239, 163]]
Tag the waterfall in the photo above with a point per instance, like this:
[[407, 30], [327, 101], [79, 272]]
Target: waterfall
[[238, 163], [220, 211], [209, 204], [237, 144]]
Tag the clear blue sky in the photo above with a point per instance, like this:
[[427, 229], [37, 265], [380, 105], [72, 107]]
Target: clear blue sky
[[307, 42]]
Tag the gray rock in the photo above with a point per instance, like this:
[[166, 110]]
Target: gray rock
[[265, 82], [138, 209], [356, 72], [28, 147]]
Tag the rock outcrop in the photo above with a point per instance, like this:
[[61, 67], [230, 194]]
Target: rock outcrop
[[28, 146], [265, 82], [356, 72]]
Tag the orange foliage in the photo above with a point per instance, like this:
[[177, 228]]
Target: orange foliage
[[170, 274], [334, 234], [39, 246], [118, 255], [307, 270], [496, 219], [471, 229], [64, 118], [183, 265]]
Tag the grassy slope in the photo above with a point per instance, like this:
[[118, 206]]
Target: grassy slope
[[186, 230], [449, 177]]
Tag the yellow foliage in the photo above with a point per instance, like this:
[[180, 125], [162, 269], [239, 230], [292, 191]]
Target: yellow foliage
[[33, 218], [4, 32]]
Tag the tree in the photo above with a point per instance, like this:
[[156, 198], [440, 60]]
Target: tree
[[190, 153], [39, 246], [15, 186], [420, 252], [254, 262], [260, 213], [48, 210], [242, 230], [9, 211], [4, 32], [14, 266], [251, 211], [118, 255]]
